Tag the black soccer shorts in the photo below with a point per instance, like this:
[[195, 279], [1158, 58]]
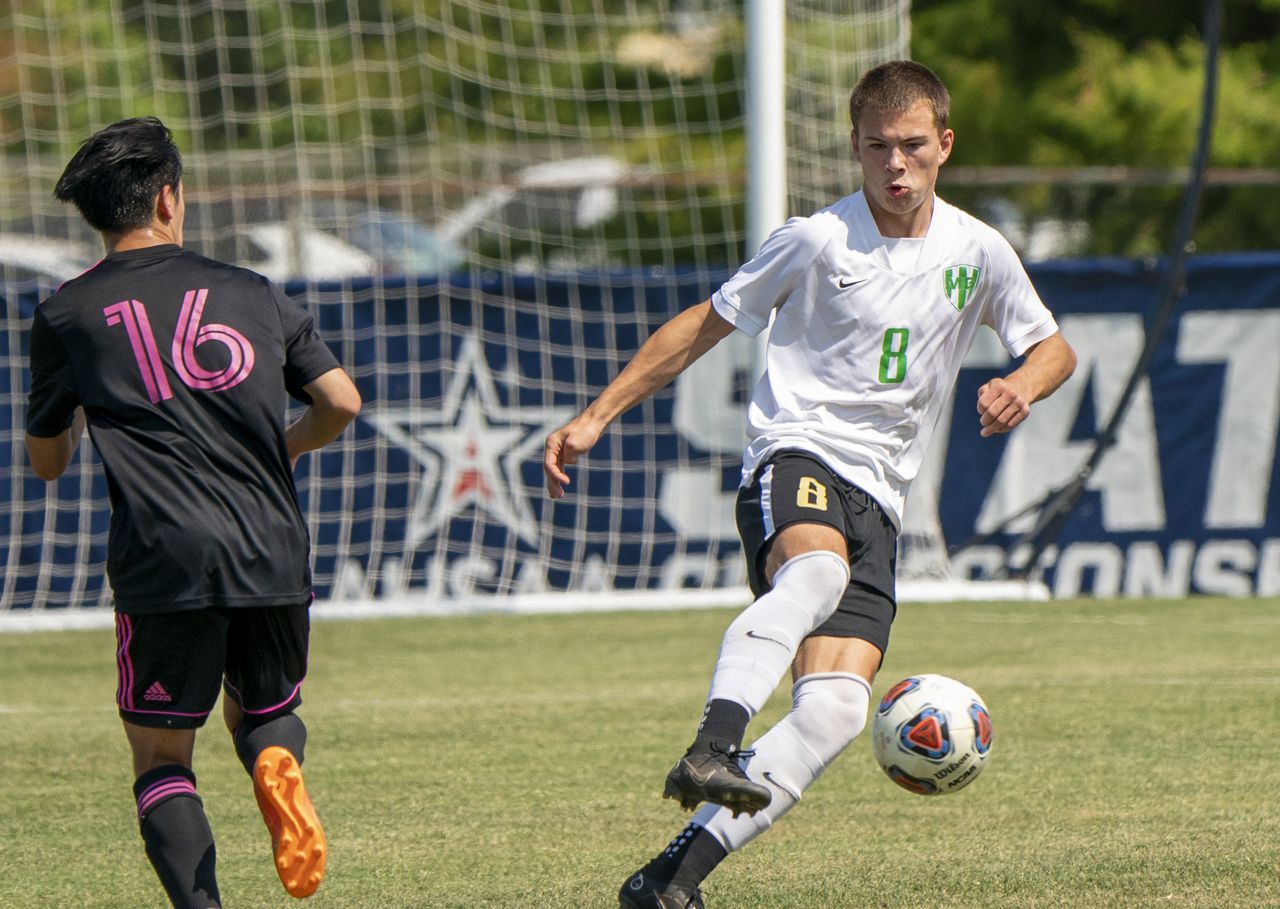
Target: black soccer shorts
[[793, 487], [170, 665]]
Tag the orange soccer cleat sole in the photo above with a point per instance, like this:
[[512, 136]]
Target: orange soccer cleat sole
[[296, 834]]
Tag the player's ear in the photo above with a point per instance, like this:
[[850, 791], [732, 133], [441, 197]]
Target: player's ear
[[946, 140], [853, 141], [167, 203]]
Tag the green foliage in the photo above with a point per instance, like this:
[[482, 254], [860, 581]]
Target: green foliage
[[1113, 83], [1061, 83]]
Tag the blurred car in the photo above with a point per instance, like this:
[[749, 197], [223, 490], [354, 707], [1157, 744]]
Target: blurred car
[[321, 241], [551, 216], [545, 216], [1035, 239], [590, 184], [41, 264], [285, 251], [398, 244]]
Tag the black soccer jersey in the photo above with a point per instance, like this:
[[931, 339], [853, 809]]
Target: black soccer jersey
[[182, 365]]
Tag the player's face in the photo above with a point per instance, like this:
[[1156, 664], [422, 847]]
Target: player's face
[[900, 155]]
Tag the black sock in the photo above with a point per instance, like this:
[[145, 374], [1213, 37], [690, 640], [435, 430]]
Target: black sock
[[688, 858], [724, 723], [286, 731], [178, 840]]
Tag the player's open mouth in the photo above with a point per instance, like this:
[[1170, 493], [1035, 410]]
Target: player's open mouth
[[897, 191]]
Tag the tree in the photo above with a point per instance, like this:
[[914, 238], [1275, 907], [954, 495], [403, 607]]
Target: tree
[[1112, 83]]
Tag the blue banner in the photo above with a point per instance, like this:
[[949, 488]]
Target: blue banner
[[438, 492], [1187, 500]]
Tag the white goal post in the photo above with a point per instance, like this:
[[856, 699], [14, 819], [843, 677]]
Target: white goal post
[[488, 206]]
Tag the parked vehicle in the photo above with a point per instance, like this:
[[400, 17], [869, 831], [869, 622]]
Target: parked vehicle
[[284, 251], [322, 241], [40, 264]]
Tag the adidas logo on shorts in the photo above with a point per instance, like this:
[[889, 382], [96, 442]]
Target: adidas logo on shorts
[[157, 693]]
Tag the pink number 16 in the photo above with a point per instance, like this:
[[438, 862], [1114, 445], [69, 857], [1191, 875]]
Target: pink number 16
[[189, 335]]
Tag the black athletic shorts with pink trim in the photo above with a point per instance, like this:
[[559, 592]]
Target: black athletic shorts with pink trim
[[170, 665], [793, 487]]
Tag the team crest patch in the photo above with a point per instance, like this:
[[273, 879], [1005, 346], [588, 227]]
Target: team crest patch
[[959, 283]]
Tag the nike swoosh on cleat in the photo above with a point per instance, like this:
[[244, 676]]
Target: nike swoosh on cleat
[[699, 778], [761, 637]]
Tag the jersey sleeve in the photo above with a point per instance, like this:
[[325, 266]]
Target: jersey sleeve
[[306, 356], [52, 401], [748, 299], [1015, 311]]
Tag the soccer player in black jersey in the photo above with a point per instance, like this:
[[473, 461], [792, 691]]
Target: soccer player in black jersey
[[181, 367]]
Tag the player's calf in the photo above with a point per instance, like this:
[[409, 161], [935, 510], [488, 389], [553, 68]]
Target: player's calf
[[828, 712], [179, 843], [255, 736]]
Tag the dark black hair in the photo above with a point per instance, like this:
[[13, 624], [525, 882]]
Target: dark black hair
[[115, 176], [898, 86]]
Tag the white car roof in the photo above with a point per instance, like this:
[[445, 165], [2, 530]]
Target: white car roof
[[321, 256], [58, 259]]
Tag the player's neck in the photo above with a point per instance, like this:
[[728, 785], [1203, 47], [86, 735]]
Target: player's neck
[[154, 234], [894, 226]]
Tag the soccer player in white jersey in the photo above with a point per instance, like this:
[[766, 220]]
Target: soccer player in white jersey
[[875, 301]]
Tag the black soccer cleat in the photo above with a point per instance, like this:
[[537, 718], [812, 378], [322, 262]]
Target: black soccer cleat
[[640, 891], [715, 776]]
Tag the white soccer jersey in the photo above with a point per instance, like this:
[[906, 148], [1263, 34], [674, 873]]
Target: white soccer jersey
[[869, 334]]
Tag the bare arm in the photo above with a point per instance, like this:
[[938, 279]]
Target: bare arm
[[50, 456], [1005, 402], [334, 403], [668, 352]]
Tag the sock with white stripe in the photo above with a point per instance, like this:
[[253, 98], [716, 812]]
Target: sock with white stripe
[[179, 842], [687, 860]]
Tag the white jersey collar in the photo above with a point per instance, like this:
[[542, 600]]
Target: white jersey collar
[[867, 236]]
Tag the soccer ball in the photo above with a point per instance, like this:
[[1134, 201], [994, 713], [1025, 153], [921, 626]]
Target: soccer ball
[[931, 734]]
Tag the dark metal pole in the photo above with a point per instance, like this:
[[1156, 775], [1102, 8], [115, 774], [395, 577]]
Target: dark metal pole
[[1058, 505]]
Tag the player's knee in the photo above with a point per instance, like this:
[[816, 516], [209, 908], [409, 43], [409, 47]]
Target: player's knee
[[820, 574], [829, 710], [806, 590]]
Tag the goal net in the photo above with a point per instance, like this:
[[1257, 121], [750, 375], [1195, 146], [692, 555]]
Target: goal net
[[487, 206]]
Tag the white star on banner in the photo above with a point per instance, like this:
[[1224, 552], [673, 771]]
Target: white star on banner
[[470, 450]]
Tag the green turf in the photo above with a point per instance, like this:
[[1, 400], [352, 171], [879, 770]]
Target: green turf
[[516, 762]]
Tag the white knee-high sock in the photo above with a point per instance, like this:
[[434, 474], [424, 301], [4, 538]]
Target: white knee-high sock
[[828, 711], [760, 643]]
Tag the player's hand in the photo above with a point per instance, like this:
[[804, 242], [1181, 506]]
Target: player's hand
[[1002, 405], [563, 447]]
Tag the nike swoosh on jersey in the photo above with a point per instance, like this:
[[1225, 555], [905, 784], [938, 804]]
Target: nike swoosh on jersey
[[845, 284]]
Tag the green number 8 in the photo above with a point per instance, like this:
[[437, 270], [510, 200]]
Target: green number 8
[[893, 355]]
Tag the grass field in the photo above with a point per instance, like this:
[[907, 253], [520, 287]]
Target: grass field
[[517, 762]]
